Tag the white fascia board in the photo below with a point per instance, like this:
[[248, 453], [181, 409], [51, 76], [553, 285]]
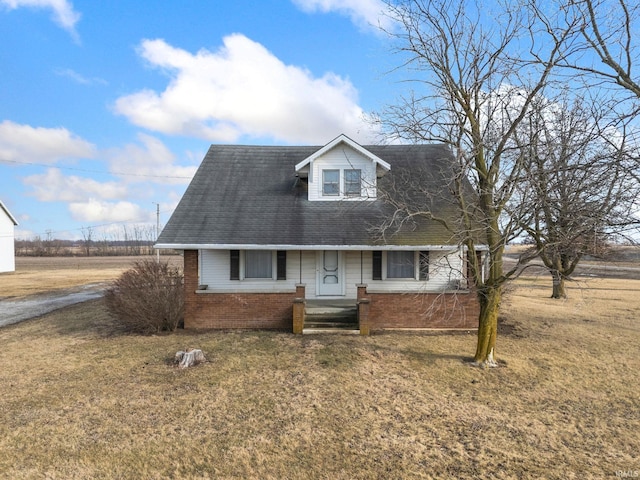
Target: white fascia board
[[188, 246], [343, 139], [6, 210]]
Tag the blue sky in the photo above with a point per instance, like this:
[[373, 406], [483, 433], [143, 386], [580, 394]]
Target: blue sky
[[107, 108]]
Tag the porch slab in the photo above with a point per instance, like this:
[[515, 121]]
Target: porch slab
[[338, 303]]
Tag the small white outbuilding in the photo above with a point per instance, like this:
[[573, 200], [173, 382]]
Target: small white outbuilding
[[7, 239]]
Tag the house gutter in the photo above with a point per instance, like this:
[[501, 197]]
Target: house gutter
[[249, 246]]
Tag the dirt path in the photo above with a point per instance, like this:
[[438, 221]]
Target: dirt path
[[14, 311]]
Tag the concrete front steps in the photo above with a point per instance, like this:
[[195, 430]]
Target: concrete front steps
[[326, 316]]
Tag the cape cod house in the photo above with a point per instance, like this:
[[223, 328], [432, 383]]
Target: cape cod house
[[274, 235], [7, 240]]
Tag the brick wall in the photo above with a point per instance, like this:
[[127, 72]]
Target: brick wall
[[425, 310], [233, 310]]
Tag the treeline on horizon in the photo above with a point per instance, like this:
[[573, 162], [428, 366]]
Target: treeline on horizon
[[80, 248]]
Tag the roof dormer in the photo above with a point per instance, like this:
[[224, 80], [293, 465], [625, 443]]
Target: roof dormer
[[342, 170]]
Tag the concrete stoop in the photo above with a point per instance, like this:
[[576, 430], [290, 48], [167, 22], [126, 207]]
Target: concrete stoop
[[331, 318]]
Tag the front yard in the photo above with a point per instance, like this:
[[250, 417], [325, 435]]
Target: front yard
[[80, 400]]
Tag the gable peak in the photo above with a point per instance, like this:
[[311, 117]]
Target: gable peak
[[343, 139]]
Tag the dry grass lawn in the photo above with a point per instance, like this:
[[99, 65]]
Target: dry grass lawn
[[79, 400], [45, 274]]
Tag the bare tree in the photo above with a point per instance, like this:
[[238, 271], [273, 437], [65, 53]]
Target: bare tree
[[576, 183], [609, 29], [87, 235], [478, 70]]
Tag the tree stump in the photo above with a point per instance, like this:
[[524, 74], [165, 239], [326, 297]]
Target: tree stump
[[189, 358]]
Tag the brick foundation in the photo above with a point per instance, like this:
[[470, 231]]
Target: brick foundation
[[425, 310]]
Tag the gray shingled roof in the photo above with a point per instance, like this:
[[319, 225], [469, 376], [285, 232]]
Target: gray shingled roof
[[249, 195]]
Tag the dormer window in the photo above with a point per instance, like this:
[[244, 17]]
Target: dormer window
[[331, 182], [352, 182], [350, 179], [342, 170]]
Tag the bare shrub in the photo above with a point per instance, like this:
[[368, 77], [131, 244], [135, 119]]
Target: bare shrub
[[148, 298]]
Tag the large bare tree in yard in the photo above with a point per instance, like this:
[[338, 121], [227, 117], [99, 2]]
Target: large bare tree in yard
[[477, 71], [576, 184]]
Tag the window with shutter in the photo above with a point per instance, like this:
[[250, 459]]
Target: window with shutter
[[281, 265], [424, 265], [377, 265], [234, 262]]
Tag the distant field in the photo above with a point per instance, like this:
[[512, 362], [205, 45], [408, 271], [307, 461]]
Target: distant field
[[44, 274], [81, 400]]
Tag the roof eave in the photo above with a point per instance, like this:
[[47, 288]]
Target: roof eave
[[230, 246], [343, 139], [6, 210]]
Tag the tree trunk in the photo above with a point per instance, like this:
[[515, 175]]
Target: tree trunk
[[487, 327], [558, 286]]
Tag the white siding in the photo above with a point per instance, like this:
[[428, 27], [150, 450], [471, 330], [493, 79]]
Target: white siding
[[342, 158], [7, 250], [444, 269], [215, 272]]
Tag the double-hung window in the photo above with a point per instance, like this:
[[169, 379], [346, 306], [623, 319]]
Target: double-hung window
[[331, 182], [352, 182]]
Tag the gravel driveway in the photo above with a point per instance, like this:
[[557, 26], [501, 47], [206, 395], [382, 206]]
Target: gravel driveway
[[14, 311]]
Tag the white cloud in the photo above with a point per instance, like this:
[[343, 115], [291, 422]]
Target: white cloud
[[21, 234], [63, 12], [24, 143], [79, 78], [53, 186], [99, 211], [243, 89], [363, 13], [150, 162]]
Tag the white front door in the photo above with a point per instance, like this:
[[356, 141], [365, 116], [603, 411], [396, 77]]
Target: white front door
[[330, 273]]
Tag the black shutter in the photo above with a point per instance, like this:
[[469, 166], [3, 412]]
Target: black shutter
[[424, 265], [234, 261], [377, 265], [281, 265]]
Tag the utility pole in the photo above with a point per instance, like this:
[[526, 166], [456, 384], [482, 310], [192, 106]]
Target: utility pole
[[157, 229]]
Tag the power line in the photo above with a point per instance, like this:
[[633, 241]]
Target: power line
[[80, 229], [94, 171]]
